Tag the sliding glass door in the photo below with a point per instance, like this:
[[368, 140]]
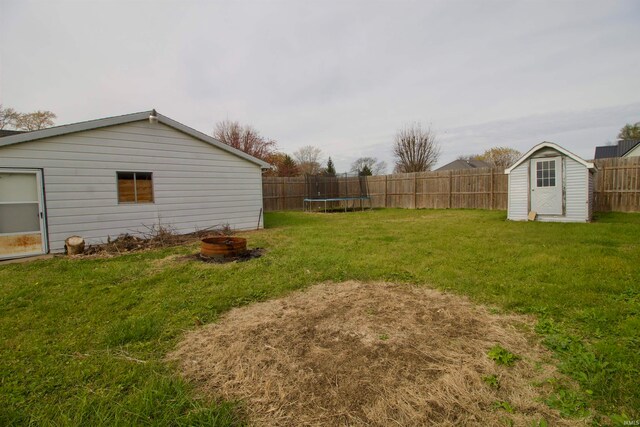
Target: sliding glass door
[[22, 230]]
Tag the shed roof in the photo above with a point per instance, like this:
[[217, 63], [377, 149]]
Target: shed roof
[[556, 147], [127, 118]]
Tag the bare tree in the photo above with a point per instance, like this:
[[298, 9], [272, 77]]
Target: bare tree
[[376, 167], [244, 138], [8, 117], [309, 159], [35, 121], [415, 149], [500, 157]]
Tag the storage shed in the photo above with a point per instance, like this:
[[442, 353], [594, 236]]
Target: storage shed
[[123, 174], [549, 183]]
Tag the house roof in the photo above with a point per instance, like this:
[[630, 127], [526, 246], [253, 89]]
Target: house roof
[[127, 118], [556, 147], [6, 132], [618, 150], [464, 164]]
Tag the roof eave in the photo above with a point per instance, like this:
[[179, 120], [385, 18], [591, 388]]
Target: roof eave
[[73, 128], [546, 144]]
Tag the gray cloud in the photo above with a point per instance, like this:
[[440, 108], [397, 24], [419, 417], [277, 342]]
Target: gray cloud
[[342, 75]]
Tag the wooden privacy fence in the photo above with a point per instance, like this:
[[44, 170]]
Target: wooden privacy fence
[[617, 188], [617, 185], [473, 189]]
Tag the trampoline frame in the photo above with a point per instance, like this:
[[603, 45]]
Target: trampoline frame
[[307, 203], [343, 188]]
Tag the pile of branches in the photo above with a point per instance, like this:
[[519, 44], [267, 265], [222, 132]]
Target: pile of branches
[[157, 236]]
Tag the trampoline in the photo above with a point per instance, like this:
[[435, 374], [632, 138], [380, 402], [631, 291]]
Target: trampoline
[[329, 192]]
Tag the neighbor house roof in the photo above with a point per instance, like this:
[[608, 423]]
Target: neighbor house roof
[[556, 147], [127, 118], [618, 150], [5, 132], [464, 164]]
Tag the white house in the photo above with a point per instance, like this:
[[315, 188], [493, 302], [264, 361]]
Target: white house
[[105, 177], [552, 184]]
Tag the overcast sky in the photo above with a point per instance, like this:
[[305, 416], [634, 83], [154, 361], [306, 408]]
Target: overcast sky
[[340, 75]]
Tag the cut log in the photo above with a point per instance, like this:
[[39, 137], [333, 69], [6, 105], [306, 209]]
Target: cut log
[[74, 245]]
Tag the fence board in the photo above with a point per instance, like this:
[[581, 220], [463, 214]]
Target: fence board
[[616, 188], [617, 185]]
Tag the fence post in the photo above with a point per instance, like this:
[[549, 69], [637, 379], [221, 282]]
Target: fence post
[[284, 192], [450, 187], [415, 190], [385, 191], [600, 183], [491, 190]]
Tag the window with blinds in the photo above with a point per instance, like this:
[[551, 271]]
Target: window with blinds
[[135, 187]]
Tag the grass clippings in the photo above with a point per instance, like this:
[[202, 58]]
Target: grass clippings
[[317, 358]]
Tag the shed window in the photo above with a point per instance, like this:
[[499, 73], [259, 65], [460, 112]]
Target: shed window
[[135, 187], [546, 173]]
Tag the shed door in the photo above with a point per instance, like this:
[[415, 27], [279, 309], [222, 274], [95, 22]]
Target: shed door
[[22, 230], [546, 186]]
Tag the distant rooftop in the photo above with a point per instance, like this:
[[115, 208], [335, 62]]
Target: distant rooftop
[[464, 164], [618, 150]]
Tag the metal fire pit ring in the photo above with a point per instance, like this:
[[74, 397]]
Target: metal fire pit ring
[[222, 247]]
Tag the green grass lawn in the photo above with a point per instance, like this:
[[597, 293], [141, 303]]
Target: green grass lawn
[[82, 341]]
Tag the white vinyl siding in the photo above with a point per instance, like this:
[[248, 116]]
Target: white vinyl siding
[[576, 190], [518, 200], [577, 182], [590, 194], [195, 185], [634, 152], [576, 198]]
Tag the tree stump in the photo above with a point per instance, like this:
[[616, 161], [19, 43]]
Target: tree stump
[[74, 245]]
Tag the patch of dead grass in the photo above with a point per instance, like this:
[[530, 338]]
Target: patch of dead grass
[[369, 354]]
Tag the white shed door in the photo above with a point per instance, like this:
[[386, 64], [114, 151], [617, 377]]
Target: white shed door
[[546, 186], [22, 230]]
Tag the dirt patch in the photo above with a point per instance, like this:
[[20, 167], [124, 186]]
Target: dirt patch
[[171, 260], [247, 255], [370, 354]]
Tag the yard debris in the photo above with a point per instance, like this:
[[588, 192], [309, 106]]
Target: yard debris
[[157, 236], [370, 354], [74, 245]]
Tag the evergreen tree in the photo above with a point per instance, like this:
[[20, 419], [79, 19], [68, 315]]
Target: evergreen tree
[[365, 171], [331, 169]]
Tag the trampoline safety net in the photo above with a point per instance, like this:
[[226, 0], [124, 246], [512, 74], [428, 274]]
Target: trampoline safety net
[[343, 189], [340, 186]]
